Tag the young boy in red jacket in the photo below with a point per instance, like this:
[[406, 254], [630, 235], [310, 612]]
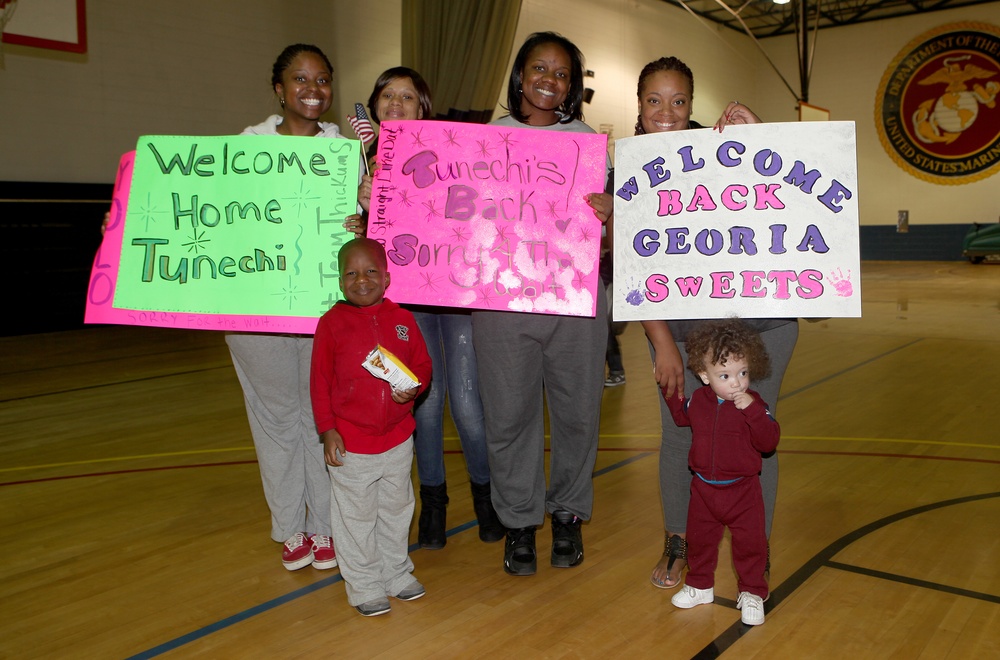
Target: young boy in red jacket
[[367, 429], [730, 428]]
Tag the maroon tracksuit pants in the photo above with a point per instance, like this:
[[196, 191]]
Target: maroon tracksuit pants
[[740, 507]]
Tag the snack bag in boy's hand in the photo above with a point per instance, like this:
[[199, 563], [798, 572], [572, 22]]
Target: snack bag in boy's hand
[[381, 363]]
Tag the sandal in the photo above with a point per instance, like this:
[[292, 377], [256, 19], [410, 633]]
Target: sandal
[[674, 549]]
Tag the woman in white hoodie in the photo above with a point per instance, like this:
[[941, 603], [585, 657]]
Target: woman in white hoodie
[[274, 369]]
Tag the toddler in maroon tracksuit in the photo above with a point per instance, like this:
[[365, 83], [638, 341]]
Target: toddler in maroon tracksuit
[[730, 427]]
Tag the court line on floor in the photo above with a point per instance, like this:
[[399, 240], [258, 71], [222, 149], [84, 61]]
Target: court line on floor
[[195, 452], [960, 459], [162, 468], [825, 438], [213, 368], [222, 624], [138, 457], [824, 559], [904, 579], [904, 441], [116, 358], [263, 607], [643, 451], [719, 645], [83, 388], [849, 369], [304, 591]]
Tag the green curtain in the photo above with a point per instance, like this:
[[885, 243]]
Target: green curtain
[[461, 49]]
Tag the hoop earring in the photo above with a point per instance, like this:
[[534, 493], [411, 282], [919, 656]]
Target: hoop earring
[[282, 102]]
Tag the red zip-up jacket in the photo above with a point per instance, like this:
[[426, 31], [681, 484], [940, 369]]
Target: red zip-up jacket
[[345, 396], [726, 442]]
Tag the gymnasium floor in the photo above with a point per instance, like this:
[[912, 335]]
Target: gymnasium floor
[[135, 525]]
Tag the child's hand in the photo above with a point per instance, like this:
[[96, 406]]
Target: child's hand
[[405, 396], [742, 400], [603, 205], [332, 444], [355, 224], [365, 192], [677, 392]]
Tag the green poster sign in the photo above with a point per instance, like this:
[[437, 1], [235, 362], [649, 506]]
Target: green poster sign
[[246, 225]]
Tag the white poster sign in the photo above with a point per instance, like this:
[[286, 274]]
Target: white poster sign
[[759, 221]]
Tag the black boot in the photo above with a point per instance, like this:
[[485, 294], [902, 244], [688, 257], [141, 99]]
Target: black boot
[[490, 527], [431, 525]]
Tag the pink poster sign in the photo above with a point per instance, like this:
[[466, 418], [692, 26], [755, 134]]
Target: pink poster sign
[[104, 279], [489, 217]]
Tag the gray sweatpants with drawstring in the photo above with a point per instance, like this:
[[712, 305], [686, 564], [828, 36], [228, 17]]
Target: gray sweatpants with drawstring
[[274, 373], [371, 510], [523, 358]]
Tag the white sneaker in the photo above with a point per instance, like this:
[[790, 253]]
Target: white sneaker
[[688, 597], [753, 608]]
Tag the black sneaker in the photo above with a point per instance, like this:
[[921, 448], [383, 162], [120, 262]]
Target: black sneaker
[[567, 540], [519, 557]]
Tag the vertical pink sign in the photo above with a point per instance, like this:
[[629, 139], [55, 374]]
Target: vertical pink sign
[[104, 274]]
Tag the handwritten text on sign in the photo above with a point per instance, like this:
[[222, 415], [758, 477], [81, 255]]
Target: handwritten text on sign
[[759, 221], [234, 232], [489, 217], [104, 272]]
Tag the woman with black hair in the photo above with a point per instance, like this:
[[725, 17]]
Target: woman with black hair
[[274, 369], [401, 93], [524, 358]]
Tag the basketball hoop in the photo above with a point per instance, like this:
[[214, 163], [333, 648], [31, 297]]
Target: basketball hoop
[[6, 12]]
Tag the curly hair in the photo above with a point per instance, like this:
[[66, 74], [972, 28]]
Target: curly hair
[[714, 342], [662, 64]]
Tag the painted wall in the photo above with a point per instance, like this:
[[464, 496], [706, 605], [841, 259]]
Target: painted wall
[[849, 65], [619, 37], [170, 68], [180, 67], [366, 40]]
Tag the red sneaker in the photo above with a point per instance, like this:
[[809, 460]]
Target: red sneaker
[[324, 556], [297, 553]]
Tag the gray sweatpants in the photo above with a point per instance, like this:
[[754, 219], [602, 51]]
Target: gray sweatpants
[[675, 477], [274, 373], [371, 510], [523, 357]]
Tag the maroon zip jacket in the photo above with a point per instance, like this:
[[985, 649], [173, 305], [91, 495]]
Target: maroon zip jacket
[[345, 396], [726, 442]]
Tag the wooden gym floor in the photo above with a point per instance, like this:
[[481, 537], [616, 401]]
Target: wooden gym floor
[[135, 525]]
